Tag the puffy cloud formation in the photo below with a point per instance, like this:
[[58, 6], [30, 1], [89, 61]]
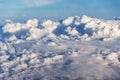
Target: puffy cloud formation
[[104, 29], [68, 21], [60, 60], [72, 28], [15, 27], [78, 48]]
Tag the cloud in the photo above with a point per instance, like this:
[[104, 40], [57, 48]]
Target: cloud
[[15, 27], [53, 50], [37, 3], [72, 28], [44, 61]]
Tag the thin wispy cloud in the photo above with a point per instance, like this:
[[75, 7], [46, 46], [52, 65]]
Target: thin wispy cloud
[[38, 3]]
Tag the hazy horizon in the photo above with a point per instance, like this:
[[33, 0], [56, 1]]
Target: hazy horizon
[[13, 9]]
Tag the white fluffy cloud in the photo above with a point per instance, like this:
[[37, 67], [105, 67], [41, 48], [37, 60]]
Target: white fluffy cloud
[[76, 60], [15, 27], [48, 28], [52, 50], [68, 21], [84, 28], [106, 29]]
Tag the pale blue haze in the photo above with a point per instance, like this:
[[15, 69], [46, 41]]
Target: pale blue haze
[[59, 8]]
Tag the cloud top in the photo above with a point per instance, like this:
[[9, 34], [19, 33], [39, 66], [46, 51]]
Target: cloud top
[[72, 28]]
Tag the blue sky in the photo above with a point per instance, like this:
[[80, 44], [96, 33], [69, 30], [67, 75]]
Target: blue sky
[[59, 8]]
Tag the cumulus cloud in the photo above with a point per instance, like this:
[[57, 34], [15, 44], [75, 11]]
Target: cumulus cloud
[[86, 61], [104, 29], [78, 48], [15, 27], [34, 3], [84, 28]]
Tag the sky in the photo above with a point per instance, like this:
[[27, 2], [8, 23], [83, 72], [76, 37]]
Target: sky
[[59, 8]]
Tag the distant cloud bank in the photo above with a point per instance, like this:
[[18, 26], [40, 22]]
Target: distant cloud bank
[[72, 28]]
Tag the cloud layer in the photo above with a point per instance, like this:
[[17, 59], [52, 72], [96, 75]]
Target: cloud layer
[[72, 28], [76, 48]]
